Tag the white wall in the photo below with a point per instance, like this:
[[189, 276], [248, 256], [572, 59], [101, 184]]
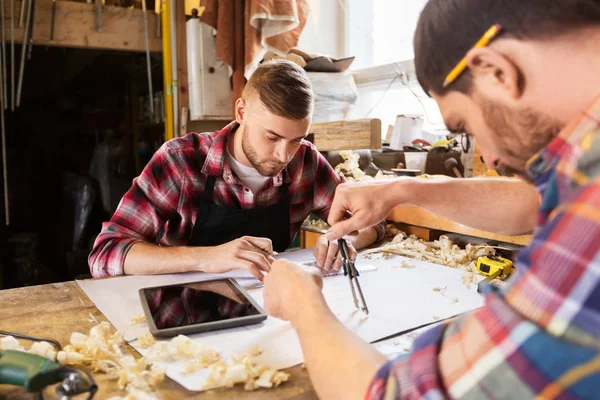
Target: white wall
[[324, 30]]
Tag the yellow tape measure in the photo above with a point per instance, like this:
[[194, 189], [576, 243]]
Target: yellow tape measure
[[494, 266]]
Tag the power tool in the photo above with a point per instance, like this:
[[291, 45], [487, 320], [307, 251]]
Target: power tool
[[35, 373]]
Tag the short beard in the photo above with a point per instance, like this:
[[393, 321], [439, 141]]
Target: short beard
[[520, 134], [252, 156]]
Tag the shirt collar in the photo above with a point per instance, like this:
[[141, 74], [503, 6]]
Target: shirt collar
[[538, 166], [216, 161]]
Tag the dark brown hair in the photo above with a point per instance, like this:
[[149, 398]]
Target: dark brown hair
[[283, 88], [448, 29]]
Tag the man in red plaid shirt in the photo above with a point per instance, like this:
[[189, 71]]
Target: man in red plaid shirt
[[226, 200]]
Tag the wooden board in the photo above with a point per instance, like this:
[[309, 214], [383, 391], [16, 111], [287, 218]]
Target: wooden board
[[56, 310], [347, 135], [75, 26], [419, 217]]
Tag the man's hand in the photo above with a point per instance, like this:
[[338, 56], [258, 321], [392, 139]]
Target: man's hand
[[327, 253], [358, 205], [291, 290], [249, 253]]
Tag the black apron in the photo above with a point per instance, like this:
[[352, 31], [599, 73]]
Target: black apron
[[216, 225]]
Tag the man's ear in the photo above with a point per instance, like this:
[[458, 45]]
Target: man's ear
[[493, 73], [240, 110]]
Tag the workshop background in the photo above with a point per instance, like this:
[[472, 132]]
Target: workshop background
[[89, 90]]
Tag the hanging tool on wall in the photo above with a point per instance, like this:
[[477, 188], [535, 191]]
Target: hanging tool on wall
[[148, 63], [4, 62], [30, 44], [3, 133], [174, 68], [12, 55], [22, 15], [52, 19], [167, 72], [26, 33], [157, 6], [98, 15]]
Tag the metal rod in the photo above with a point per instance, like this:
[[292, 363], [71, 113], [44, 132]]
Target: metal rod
[[98, 15], [157, 7], [4, 62], [4, 156], [12, 55], [158, 23], [148, 66], [52, 19], [22, 14], [23, 52], [30, 44], [174, 68]]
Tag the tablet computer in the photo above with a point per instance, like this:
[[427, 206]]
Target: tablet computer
[[195, 307]]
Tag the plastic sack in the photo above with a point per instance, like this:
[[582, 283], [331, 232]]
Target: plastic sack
[[335, 95]]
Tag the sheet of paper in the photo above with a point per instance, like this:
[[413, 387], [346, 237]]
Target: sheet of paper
[[399, 299]]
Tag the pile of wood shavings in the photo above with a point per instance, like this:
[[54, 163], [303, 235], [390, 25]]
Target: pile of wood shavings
[[315, 223], [245, 369], [442, 251], [102, 351], [351, 171]]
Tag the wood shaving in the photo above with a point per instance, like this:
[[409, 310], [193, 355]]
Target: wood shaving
[[391, 230], [138, 319], [182, 348], [468, 279], [350, 168], [436, 318], [247, 369], [101, 351], [315, 223], [10, 343], [455, 300], [43, 349], [406, 265], [440, 290], [442, 251], [146, 340]]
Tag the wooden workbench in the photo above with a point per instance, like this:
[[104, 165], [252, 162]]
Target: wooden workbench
[[421, 222], [56, 310]]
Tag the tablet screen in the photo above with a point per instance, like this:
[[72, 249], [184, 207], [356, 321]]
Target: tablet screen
[[196, 303]]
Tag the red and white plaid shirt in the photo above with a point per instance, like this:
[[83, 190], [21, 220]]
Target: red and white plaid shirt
[[162, 204]]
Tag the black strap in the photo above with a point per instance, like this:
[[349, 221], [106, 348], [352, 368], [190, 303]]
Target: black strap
[[209, 188]]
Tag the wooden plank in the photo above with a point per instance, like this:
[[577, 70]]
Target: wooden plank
[[74, 26], [56, 310], [309, 239], [347, 135], [419, 217]]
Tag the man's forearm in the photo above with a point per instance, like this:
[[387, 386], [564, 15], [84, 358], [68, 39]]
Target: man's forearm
[[336, 372], [507, 206], [148, 259]]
